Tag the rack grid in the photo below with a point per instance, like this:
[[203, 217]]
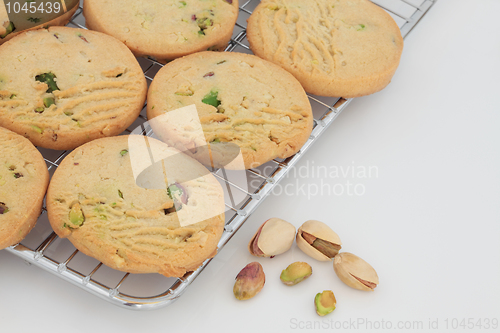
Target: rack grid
[[43, 248]]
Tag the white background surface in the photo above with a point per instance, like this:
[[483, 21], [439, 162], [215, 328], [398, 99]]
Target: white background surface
[[428, 221]]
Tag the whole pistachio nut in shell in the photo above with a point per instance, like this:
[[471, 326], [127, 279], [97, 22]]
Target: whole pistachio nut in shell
[[295, 273], [275, 236], [355, 272], [249, 281], [325, 302], [318, 240]]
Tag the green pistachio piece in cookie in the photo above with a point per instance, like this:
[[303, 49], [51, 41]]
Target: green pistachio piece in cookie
[[8, 29], [48, 78], [178, 194], [3, 208], [18, 175], [211, 98], [76, 216], [204, 22], [184, 93], [37, 129], [39, 110], [120, 194], [182, 4], [124, 152], [216, 140], [83, 38], [360, 27], [48, 101]]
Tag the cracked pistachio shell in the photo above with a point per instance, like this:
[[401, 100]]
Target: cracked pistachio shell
[[319, 230], [355, 272], [275, 236]]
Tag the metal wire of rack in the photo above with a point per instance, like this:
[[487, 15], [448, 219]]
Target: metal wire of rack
[[43, 248]]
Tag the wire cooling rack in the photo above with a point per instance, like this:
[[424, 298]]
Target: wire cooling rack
[[43, 248]]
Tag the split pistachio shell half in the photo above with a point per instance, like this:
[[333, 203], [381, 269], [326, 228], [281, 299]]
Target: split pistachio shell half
[[355, 272], [275, 236], [318, 241]]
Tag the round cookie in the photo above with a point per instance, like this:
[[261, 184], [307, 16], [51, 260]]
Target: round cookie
[[342, 48], [63, 87], [113, 204], [25, 21], [164, 29], [240, 99], [23, 181]]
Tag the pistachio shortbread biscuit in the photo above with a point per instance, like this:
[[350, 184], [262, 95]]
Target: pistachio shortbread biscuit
[[240, 98], [343, 48], [33, 15], [63, 87], [23, 181], [164, 29], [114, 204]]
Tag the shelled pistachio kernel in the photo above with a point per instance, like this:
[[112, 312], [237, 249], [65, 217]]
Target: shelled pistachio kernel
[[325, 302], [249, 281], [355, 272], [318, 240], [76, 216], [295, 273]]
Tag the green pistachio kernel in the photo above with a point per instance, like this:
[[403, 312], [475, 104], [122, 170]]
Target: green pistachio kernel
[[184, 93], [204, 22], [174, 191], [9, 29], [3, 208], [48, 101], [211, 98], [37, 129], [48, 78], [76, 216], [124, 152], [325, 302]]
